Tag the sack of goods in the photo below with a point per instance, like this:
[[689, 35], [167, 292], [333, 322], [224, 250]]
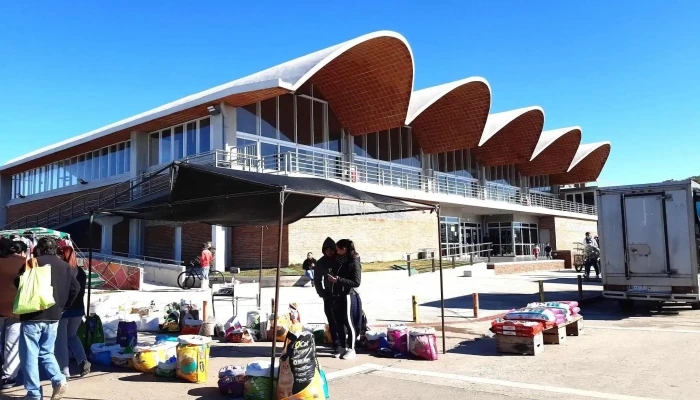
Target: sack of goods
[[193, 358], [397, 336], [257, 384], [299, 374], [242, 335], [283, 324], [191, 327], [516, 328], [167, 369], [127, 334], [91, 332], [101, 354], [422, 344], [232, 381], [531, 314], [123, 360], [147, 358], [374, 340]]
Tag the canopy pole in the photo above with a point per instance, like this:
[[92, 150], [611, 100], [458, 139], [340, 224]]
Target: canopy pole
[[262, 233], [442, 292], [89, 277], [277, 297]]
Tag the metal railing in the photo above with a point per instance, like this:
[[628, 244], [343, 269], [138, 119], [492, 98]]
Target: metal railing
[[332, 167], [139, 259], [317, 164]]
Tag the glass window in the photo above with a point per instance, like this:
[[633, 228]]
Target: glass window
[[372, 145], [534, 235], [335, 131], [268, 149], [112, 160], [204, 135], [319, 119], [304, 134], [579, 198], [104, 162], [127, 156], [153, 149], [120, 158], [95, 165], [166, 146], [179, 142], [415, 150], [360, 145], [191, 138], [81, 167], [268, 118], [384, 153], [395, 140], [286, 117], [73, 171], [246, 119], [589, 198]]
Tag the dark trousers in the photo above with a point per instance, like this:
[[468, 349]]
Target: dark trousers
[[332, 324], [587, 267], [347, 312]]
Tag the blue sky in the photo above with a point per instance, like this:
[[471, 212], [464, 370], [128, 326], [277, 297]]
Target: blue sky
[[626, 71]]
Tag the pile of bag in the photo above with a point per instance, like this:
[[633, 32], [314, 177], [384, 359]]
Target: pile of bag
[[535, 317], [400, 341]]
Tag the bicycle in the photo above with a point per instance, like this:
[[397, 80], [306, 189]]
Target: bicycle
[[187, 279]]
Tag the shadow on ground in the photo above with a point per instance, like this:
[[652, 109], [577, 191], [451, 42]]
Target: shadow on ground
[[507, 301]]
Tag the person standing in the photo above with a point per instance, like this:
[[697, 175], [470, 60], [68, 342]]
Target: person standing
[[322, 268], [10, 326], [548, 251], [536, 251], [39, 329], [205, 260], [345, 279], [308, 266], [67, 340]]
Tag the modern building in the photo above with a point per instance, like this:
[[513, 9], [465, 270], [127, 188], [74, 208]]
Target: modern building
[[349, 113]]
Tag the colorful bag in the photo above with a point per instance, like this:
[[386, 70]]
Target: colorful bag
[[257, 388], [193, 358], [127, 334], [422, 343], [35, 292], [299, 375], [91, 332], [517, 328], [232, 381], [397, 336], [374, 340]]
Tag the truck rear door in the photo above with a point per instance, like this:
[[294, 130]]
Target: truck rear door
[[646, 233]]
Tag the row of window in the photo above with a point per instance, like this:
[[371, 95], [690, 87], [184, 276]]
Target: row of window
[[99, 164], [587, 198], [398, 146], [179, 141], [301, 119]]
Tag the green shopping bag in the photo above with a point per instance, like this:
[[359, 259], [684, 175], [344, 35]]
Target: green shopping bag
[[35, 292]]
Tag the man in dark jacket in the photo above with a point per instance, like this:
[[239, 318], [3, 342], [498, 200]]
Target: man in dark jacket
[[38, 338], [324, 267], [345, 279]]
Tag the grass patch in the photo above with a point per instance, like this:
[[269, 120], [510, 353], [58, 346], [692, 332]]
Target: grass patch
[[419, 265]]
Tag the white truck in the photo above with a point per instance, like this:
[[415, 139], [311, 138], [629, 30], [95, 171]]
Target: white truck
[[649, 237]]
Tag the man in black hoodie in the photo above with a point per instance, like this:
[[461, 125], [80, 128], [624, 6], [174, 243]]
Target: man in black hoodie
[[38, 337], [324, 267]]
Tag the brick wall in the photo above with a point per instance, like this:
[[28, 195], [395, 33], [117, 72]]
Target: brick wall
[[569, 231], [385, 237], [159, 241], [245, 247], [525, 266], [120, 237], [193, 235]]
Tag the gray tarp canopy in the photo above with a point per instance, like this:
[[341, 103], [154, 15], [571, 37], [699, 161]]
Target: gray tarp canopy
[[228, 197]]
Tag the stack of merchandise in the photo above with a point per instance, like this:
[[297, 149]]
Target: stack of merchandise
[[399, 341], [535, 317]]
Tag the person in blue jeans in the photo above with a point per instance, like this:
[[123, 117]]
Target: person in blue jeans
[[38, 333]]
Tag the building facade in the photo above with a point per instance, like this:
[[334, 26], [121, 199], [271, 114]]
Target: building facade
[[347, 113]]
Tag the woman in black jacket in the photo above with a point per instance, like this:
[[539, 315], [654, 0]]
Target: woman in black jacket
[[345, 278]]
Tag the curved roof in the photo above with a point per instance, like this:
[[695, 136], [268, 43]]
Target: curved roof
[[451, 116], [554, 151], [367, 81], [586, 165], [510, 136]]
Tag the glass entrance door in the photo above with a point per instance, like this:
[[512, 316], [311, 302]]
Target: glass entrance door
[[471, 235]]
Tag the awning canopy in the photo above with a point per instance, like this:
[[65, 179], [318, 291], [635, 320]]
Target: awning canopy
[[37, 232], [228, 197]]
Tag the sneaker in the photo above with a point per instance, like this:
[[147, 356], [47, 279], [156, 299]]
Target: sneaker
[[59, 391], [9, 383], [338, 352], [349, 354], [85, 368]]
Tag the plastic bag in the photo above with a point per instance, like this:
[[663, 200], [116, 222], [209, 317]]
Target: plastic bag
[[299, 374], [193, 358], [35, 292]]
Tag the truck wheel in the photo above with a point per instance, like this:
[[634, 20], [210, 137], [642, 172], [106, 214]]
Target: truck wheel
[[627, 305]]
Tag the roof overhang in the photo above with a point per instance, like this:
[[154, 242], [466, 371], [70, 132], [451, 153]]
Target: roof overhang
[[586, 165], [510, 137], [553, 153]]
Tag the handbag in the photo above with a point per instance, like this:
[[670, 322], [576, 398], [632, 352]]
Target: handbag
[[35, 292]]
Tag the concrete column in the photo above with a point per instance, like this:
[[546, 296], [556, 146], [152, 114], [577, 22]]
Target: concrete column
[[107, 224], [219, 239], [139, 152], [5, 196], [349, 148], [177, 253], [136, 232], [229, 114]]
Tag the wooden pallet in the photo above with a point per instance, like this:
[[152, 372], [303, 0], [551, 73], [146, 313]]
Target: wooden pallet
[[558, 334], [520, 345]]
